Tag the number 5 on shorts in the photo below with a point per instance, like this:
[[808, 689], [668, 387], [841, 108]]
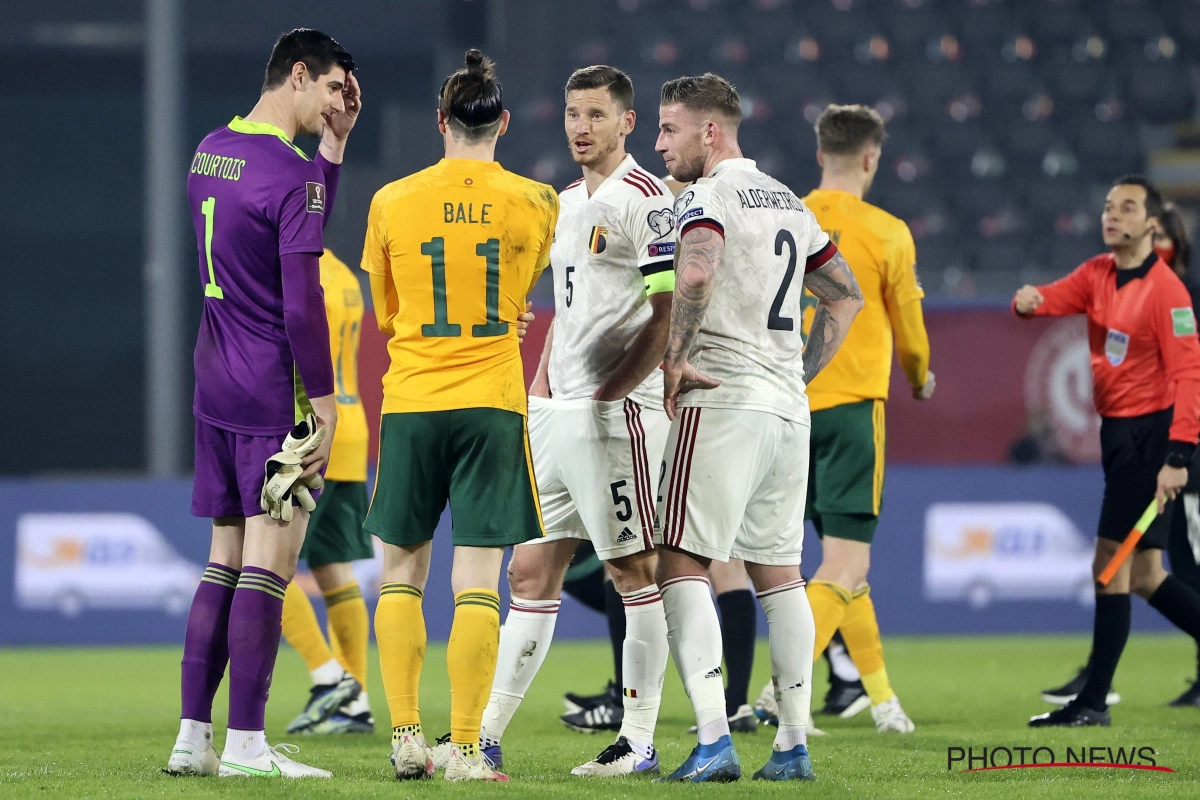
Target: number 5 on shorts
[[621, 501]]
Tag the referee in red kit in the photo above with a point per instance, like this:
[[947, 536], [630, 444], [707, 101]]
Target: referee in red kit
[[1146, 373]]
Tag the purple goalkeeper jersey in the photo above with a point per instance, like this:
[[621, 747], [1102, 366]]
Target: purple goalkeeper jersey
[[255, 198]]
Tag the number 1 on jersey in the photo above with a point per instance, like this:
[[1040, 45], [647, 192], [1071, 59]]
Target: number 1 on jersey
[[435, 248], [208, 208]]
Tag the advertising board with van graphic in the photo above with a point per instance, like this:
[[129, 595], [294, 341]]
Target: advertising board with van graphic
[[73, 562], [980, 552]]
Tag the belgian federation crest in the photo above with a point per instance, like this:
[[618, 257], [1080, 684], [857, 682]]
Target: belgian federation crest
[[598, 240], [1116, 347]]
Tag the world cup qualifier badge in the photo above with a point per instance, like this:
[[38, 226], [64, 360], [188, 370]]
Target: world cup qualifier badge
[[598, 240], [316, 197]]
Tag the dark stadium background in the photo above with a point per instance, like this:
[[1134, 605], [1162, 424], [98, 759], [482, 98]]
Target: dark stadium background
[[1006, 120]]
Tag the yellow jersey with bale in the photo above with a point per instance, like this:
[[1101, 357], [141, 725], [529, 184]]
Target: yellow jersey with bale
[[880, 251], [459, 244]]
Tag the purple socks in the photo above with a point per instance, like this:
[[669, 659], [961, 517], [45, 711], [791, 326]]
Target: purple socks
[[205, 648], [255, 623]]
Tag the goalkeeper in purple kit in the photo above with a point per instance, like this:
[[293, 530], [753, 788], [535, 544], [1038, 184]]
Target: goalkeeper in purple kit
[[262, 362]]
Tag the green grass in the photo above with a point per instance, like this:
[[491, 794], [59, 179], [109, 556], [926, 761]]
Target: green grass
[[100, 722]]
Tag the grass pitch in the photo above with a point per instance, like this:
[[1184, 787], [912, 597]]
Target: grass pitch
[[100, 723]]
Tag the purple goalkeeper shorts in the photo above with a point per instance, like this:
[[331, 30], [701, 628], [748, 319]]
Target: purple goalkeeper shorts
[[230, 469]]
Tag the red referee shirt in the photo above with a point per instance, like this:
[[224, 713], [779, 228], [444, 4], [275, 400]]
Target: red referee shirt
[[1145, 352]]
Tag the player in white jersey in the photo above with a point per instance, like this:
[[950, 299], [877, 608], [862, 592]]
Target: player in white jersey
[[596, 422], [734, 375]]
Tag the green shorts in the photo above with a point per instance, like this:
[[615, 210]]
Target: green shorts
[[845, 470], [477, 459], [335, 529]]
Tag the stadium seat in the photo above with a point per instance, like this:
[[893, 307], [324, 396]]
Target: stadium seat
[[1083, 82], [1008, 255], [1160, 92], [1132, 22], [1108, 149]]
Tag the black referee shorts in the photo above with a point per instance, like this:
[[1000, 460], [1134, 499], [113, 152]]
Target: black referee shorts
[[1133, 450]]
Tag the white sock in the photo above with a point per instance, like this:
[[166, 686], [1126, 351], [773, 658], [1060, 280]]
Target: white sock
[[643, 665], [524, 640], [792, 635], [694, 636], [358, 705], [329, 672], [244, 745], [841, 663], [195, 733]]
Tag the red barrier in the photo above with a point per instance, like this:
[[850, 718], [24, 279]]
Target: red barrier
[[998, 379]]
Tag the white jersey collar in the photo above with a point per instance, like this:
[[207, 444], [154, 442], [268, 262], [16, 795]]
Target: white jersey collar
[[729, 164], [611, 182]]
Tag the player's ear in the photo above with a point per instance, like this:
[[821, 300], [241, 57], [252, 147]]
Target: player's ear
[[629, 121], [441, 122], [820, 159], [504, 118], [299, 75]]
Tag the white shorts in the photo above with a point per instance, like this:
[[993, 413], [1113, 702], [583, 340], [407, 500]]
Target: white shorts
[[735, 483], [593, 461]]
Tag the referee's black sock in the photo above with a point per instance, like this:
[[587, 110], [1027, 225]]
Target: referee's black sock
[[614, 609], [739, 620], [1179, 603], [1109, 634]]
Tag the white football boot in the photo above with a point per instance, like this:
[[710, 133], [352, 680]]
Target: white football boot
[[441, 752], [479, 768], [273, 763], [890, 717], [189, 757], [619, 758], [412, 758]]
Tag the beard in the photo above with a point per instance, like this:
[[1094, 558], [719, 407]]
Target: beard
[[600, 151], [311, 127], [688, 170]]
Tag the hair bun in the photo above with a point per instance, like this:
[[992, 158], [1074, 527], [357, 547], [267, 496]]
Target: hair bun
[[475, 60]]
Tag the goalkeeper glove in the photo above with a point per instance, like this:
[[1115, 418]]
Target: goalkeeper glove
[[283, 471]]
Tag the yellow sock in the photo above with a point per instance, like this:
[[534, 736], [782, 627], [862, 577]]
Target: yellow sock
[[400, 633], [860, 629], [302, 630], [348, 629], [471, 662], [829, 602]]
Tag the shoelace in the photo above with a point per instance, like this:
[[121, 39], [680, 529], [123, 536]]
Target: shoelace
[[283, 749], [614, 752]]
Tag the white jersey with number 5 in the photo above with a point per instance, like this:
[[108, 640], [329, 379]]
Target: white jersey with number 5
[[750, 336], [605, 247]]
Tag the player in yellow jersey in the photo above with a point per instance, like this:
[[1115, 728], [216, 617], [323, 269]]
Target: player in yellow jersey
[[845, 486], [335, 537], [453, 251]]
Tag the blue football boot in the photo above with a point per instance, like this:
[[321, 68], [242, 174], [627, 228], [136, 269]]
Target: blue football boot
[[789, 765], [716, 763]]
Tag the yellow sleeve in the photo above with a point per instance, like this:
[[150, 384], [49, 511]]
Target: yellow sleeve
[[385, 301], [902, 295], [543, 259], [375, 258]]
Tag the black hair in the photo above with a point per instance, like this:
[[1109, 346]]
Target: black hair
[[1176, 231], [471, 99], [601, 76], [320, 52], [1154, 198]]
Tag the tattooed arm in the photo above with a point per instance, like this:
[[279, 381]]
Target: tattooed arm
[[698, 260], [840, 300]]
